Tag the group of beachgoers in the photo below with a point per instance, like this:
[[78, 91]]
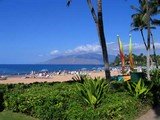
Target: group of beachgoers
[[46, 74], [61, 75]]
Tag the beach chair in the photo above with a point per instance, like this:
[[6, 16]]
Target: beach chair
[[3, 78]]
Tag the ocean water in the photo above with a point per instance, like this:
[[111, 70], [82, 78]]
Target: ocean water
[[21, 69]]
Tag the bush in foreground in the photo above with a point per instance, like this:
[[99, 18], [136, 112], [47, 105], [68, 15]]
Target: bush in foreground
[[49, 101]]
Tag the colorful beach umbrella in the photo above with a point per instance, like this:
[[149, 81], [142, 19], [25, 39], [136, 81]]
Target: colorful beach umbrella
[[122, 57], [130, 53]]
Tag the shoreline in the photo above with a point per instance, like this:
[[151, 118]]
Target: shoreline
[[53, 78]]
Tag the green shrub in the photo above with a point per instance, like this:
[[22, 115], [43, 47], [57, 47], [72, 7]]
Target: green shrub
[[1, 101], [155, 78], [92, 90], [138, 89], [117, 106], [117, 86], [45, 102], [80, 78], [48, 101]]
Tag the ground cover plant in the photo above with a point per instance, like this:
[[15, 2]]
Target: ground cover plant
[[138, 89], [69, 101], [92, 90], [8, 115]]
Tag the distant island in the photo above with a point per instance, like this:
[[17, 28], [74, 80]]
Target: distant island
[[85, 59]]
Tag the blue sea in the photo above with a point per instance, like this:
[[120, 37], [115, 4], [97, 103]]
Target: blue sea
[[21, 69]]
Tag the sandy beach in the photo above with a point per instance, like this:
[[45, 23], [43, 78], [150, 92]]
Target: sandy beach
[[55, 78]]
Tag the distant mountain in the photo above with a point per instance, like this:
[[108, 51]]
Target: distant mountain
[[89, 58]]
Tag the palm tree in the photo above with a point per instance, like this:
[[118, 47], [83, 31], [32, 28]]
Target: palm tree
[[142, 19], [154, 9], [139, 25], [98, 19]]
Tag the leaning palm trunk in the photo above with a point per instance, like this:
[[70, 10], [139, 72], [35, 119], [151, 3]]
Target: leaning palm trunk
[[102, 40], [104, 49], [143, 38], [147, 46], [148, 64], [154, 52], [98, 19], [147, 17], [148, 52], [100, 29], [154, 49]]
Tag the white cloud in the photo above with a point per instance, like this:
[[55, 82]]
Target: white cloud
[[113, 49], [89, 48], [135, 46], [140, 46], [157, 45], [54, 52]]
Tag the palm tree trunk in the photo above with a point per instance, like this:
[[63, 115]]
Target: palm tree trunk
[[102, 40], [99, 24], [100, 29], [148, 64], [154, 52], [143, 38], [148, 42]]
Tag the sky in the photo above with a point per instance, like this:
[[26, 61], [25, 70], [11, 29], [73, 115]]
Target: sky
[[33, 31]]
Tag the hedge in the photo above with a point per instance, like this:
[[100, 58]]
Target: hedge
[[56, 101]]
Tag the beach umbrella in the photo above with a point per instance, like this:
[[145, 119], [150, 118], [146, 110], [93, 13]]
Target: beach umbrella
[[130, 53], [44, 70], [121, 54]]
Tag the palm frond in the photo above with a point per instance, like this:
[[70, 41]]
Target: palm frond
[[135, 29], [135, 15], [156, 22], [68, 2], [146, 18], [140, 2], [151, 27], [132, 24], [135, 8]]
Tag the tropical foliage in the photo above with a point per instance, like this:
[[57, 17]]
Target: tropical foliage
[[142, 19], [87, 98], [56, 101], [155, 77], [138, 89], [92, 90], [80, 78], [139, 60]]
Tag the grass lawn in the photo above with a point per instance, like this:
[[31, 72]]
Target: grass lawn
[[8, 115]]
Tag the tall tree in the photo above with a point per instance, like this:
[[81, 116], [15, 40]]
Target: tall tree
[[139, 25], [98, 19], [142, 19]]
